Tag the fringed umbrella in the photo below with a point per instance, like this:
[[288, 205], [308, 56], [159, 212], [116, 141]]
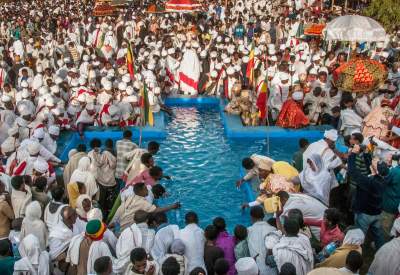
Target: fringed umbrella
[[360, 75]]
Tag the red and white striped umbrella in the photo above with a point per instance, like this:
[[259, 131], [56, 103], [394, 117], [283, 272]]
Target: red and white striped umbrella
[[182, 6]]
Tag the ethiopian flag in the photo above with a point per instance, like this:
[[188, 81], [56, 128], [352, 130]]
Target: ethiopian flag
[[250, 66], [129, 60], [262, 99], [147, 113]]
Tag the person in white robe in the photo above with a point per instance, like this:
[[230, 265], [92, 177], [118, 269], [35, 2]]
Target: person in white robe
[[165, 235], [50, 139], [34, 261], [109, 237], [106, 173], [129, 239], [52, 212], [315, 179], [61, 234], [333, 99], [315, 102], [323, 148], [82, 174], [189, 72], [386, 258], [86, 117], [73, 159], [362, 105], [350, 120], [98, 248], [37, 137], [257, 233], [279, 94], [83, 206], [21, 196], [294, 248], [177, 251], [141, 263], [309, 206], [193, 238], [32, 224]]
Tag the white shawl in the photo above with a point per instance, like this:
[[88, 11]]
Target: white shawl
[[163, 240], [350, 121], [295, 250], [386, 260], [129, 239], [32, 224], [82, 174], [33, 260], [316, 183], [193, 238], [59, 238]]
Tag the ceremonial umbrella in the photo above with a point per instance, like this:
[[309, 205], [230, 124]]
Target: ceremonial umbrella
[[354, 28], [360, 75], [182, 6]]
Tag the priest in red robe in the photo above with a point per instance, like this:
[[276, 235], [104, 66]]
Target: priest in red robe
[[291, 114]]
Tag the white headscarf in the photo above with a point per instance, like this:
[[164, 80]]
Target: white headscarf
[[32, 224], [79, 205], [82, 174], [33, 260], [354, 236], [316, 183], [94, 214]]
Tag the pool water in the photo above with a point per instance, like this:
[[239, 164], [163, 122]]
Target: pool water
[[205, 165]]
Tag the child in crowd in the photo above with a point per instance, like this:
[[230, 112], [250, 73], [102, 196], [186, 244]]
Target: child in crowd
[[241, 248]]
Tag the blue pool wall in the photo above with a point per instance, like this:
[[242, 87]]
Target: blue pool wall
[[233, 127]]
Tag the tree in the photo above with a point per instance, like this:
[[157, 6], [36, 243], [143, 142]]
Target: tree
[[387, 12]]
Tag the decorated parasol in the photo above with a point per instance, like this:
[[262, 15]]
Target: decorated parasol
[[360, 75], [182, 6]]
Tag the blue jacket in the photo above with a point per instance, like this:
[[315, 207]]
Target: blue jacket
[[369, 189]]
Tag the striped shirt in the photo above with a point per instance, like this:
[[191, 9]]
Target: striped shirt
[[123, 146]]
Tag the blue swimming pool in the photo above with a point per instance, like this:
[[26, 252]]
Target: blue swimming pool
[[204, 164]]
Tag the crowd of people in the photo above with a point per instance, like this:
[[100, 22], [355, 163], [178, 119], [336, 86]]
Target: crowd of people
[[63, 69]]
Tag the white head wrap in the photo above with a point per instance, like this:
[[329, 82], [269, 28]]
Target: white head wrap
[[354, 236], [40, 165], [331, 134], [246, 266]]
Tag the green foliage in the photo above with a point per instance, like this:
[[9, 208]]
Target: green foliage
[[386, 12]]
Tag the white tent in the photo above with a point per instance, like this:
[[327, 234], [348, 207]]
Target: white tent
[[354, 28]]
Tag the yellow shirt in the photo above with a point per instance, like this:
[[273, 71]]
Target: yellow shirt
[[284, 169]]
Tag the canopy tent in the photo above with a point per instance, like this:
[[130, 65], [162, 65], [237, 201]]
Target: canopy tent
[[354, 28], [182, 6]]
